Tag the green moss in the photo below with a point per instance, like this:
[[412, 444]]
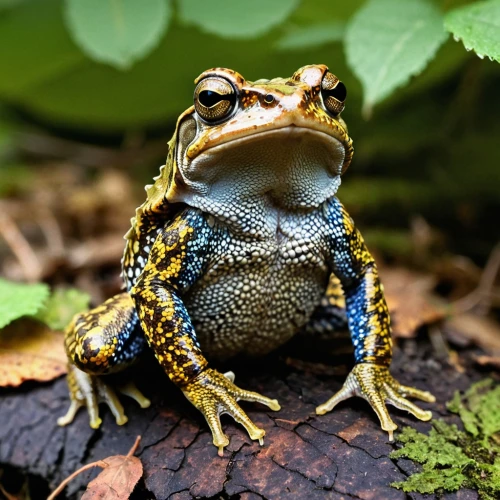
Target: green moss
[[452, 458], [431, 480]]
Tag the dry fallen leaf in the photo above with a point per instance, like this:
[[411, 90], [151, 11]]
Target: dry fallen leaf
[[410, 300], [30, 350], [117, 480], [480, 330]]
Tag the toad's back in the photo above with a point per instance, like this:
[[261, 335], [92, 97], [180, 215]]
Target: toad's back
[[258, 290]]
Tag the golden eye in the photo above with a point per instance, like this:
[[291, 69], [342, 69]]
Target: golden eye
[[333, 92], [214, 99]]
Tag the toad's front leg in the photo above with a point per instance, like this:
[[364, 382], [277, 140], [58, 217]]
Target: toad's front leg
[[368, 319], [177, 259]]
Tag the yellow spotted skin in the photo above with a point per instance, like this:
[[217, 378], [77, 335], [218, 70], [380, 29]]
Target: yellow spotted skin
[[174, 264], [105, 339], [364, 296], [241, 244]]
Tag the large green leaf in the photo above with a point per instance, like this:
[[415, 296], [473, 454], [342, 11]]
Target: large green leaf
[[310, 12], [478, 26], [237, 18], [6, 4], [51, 78], [45, 54], [117, 32], [388, 41], [20, 299]]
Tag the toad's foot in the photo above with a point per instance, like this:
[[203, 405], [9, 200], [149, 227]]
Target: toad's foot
[[214, 394], [90, 390], [375, 384]]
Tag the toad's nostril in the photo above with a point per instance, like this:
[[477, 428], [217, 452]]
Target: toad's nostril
[[269, 99]]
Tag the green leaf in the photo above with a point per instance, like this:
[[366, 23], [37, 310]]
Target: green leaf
[[478, 26], [312, 36], [388, 41], [46, 53], [7, 4], [236, 19], [117, 32], [62, 305], [20, 299]]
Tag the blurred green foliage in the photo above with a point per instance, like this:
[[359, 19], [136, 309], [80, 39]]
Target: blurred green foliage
[[61, 306], [55, 309], [124, 63], [105, 67]]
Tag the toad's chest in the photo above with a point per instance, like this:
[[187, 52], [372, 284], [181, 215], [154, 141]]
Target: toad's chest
[[258, 291]]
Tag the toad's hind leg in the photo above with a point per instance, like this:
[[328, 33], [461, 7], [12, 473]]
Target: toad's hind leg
[[104, 340], [330, 315]]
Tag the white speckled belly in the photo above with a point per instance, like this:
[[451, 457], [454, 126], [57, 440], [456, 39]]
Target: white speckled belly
[[258, 291]]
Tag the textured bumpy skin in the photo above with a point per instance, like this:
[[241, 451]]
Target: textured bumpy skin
[[241, 244]]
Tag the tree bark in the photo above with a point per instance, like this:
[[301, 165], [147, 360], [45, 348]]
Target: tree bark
[[341, 455]]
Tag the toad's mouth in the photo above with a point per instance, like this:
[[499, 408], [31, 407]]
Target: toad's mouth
[[280, 149], [290, 167], [269, 133]]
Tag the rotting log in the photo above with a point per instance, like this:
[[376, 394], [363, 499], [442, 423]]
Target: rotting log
[[341, 455]]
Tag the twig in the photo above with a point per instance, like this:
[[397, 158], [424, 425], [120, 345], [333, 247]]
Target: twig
[[98, 463], [482, 294], [52, 232], [61, 487], [6, 494], [438, 342], [20, 247], [134, 446]]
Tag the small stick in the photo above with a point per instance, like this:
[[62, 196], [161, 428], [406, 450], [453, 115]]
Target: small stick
[[52, 232], [482, 294], [134, 446], [6, 494], [61, 487], [20, 247]]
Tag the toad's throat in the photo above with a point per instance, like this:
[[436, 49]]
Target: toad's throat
[[292, 167]]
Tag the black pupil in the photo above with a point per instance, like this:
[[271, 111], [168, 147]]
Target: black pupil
[[339, 92], [209, 98]]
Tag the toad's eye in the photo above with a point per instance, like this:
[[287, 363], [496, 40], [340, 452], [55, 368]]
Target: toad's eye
[[214, 99], [333, 92]]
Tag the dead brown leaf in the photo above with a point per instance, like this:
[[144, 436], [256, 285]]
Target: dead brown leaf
[[117, 480], [473, 328], [30, 350], [411, 301]]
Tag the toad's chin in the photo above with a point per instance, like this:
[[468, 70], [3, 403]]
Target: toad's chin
[[293, 166], [281, 149]]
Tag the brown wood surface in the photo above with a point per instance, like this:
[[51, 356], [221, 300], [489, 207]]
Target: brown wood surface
[[341, 455]]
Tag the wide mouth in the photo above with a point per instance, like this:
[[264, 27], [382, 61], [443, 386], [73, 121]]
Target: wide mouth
[[281, 152], [292, 131]]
